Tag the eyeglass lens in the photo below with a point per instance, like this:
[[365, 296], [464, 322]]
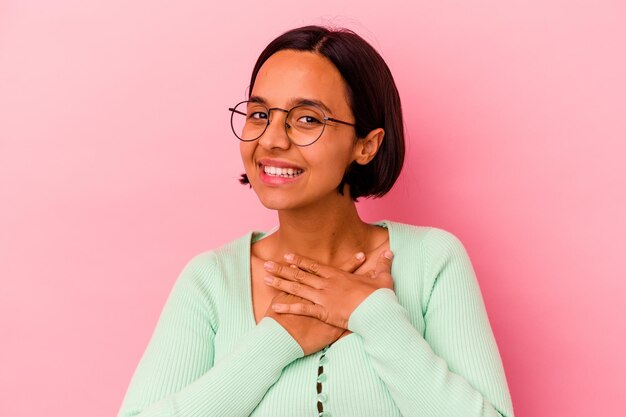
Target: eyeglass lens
[[304, 124]]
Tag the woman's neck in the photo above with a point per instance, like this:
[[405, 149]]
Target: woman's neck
[[329, 233]]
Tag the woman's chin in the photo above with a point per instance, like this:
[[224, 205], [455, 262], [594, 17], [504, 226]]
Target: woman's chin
[[276, 204]]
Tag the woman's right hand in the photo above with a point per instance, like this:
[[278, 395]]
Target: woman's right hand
[[311, 334]]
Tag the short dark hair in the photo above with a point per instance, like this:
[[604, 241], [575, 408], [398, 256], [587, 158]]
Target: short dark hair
[[372, 96]]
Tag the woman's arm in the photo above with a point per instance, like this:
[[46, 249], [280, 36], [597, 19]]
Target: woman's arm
[[455, 369], [177, 375]]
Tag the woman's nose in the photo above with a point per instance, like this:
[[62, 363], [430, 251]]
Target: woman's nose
[[275, 136]]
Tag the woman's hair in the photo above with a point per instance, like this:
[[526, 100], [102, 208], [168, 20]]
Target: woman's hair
[[372, 96]]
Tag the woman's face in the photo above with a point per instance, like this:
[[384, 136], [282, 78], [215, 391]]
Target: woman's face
[[286, 79]]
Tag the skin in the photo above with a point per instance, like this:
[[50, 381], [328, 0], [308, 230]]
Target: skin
[[318, 227]]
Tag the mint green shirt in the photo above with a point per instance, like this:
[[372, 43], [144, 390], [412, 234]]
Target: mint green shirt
[[424, 349]]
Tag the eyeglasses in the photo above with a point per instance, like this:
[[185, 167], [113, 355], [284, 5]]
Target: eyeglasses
[[304, 123]]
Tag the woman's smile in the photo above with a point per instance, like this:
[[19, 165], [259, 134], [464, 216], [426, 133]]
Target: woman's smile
[[278, 172]]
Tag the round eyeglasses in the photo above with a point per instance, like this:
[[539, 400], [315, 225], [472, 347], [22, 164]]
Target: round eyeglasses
[[304, 123]]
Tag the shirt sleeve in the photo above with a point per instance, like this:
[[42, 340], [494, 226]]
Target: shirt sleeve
[[176, 375], [454, 368]]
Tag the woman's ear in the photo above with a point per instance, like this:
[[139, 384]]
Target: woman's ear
[[366, 148]]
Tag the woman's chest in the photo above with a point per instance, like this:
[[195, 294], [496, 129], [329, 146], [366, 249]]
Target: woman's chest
[[340, 381], [243, 300], [261, 293]]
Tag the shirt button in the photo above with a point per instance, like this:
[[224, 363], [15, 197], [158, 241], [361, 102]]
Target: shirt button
[[321, 378], [324, 414], [323, 360], [322, 397]]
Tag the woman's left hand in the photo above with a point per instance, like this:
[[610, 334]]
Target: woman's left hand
[[334, 292]]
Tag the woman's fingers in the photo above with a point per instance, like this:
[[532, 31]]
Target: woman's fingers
[[383, 269], [299, 289], [311, 310], [353, 263], [334, 298], [293, 274], [321, 270], [307, 264], [384, 263]]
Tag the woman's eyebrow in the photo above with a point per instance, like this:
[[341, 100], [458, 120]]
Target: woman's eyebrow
[[296, 101], [309, 102], [257, 99]]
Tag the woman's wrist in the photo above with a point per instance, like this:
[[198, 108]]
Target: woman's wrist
[[373, 312]]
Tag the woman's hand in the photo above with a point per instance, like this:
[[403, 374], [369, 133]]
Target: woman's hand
[[332, 294], [310, 333]]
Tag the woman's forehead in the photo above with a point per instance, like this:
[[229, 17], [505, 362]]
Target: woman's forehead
[[289, 75]]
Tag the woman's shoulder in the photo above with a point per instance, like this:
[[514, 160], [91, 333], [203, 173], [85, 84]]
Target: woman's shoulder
[[207, 263], [422, 253], [432, 237]]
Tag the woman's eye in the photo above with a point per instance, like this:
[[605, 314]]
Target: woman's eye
[[258, 115], [308, 120]]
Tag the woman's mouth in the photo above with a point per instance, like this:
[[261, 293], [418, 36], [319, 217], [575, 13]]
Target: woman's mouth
[[277, 173], [282, 172]]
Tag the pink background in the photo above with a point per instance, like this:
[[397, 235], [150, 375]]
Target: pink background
[[117, 165]]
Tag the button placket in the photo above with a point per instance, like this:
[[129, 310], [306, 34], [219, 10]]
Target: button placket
[[322, 396]]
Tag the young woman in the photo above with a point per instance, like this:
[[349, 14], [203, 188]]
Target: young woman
[[312, 319]]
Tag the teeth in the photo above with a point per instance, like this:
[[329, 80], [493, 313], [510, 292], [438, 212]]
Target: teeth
[[282, 172]]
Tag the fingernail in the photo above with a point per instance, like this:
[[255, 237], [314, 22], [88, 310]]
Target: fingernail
[[268, 280], [289, 256], [360, 256], [388, 255], [268, 265], [278, 307]]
